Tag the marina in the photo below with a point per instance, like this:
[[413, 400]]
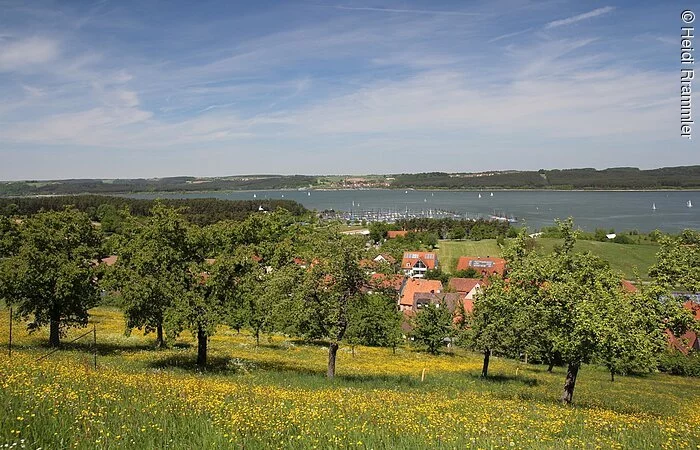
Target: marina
[[645, 211]]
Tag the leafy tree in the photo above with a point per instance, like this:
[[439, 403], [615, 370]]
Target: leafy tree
[[437, 274], [492, 320], [377, 231], [467, 273], [375, 321], [432, 325], [10, 239], [331, 284], [678, 262], [153, 269], [51, 276]]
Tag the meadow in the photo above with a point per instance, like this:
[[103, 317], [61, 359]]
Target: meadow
[[275, 396], [625, 258]]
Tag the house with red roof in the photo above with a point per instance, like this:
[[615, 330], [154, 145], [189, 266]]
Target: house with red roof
[[485, 266], [689, 341], [467, 287], [415, 264], [413, 286], [391, 234]]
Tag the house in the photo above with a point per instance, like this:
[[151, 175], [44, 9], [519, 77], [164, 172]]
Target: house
[[450, 299], [689, 341], [415, 264], [384, 258], [414, 286], [467, 287], [485, 266], [396, 233]]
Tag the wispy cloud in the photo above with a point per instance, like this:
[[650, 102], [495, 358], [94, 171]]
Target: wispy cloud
[[509, 35], [406, 11], [23, 53], [580, 17]]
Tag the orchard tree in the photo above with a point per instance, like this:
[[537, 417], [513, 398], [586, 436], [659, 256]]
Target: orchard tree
[[678, 262], [10, 239], [50, 278], [153, 268], [432, 325], [375, 321], [331, 284]]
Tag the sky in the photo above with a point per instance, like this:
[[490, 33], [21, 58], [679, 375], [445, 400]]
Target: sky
[[127, 89]]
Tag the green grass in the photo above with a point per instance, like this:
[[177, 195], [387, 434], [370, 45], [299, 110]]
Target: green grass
[[276, 396], [622, 257]]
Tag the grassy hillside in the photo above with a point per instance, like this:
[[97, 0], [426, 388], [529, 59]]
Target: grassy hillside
[[276, 396], [622, 257]]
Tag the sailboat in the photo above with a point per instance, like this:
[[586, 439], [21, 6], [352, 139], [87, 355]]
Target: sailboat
[[653, 206], [479, 195], [255, 196], [425, 200], [491, 194], [689, 204], [308, 194]]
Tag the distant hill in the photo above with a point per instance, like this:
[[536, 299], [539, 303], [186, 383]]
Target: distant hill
[[687, 177], [684, 177], [171, 184]]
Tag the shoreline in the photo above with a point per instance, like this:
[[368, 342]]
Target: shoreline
[[224, 191]]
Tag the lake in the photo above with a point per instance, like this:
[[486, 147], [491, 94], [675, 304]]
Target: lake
[[621, 210]]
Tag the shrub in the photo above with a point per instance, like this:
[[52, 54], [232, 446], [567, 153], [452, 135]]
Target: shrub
[[676, 363]]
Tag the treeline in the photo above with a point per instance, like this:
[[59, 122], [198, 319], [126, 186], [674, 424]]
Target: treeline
[[684, 177], [171, 184], [201, 211]]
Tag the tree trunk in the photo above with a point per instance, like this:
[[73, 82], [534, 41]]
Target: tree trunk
[[54, 335], [612, 375], [160, 342], [332, 352], [551, 365], [485, 368], [570, 383], [201, 347], [257, 338], [353, 351]]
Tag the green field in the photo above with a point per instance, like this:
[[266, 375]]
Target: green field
[[276, 396], [622, 257]]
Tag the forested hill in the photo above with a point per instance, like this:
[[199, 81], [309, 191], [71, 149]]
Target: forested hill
[[687, 177], [202, 211], [172, 184]]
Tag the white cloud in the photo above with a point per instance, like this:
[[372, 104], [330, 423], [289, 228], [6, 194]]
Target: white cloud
[[17, 55], [580, 17]]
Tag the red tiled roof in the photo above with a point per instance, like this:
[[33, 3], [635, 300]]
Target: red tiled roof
[[107, 261], [380, 280], [414, 286], [485, 266], [394, 233], [464, 285], [689, 340], [411, 258], [629, 287]]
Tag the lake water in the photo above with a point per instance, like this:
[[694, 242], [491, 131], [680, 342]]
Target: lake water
[[590, 210]]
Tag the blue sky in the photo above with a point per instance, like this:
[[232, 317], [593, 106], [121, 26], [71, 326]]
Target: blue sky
[[108, 89]]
